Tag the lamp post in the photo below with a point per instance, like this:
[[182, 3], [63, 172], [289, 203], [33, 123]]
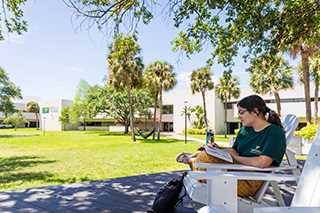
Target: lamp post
[[44, 125], [185, 113]]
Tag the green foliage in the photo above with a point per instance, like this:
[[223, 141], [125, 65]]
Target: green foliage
[[199, 113], [64, 118], [113, 13], [195, 131], [81, 109], [33, 107], [270, 73], [307, 131], [103, 99], [236, 131], [201, 82], [8, 91], [159, 76], [15, 23], [16, 120], [227, 86], [125, 68], [124, 65]]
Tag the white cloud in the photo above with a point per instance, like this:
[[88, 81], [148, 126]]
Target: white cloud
[[184, 78], [215, 80], [77, 70], [18, 39]]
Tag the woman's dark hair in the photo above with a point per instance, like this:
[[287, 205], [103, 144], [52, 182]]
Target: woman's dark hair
[[255, 101]]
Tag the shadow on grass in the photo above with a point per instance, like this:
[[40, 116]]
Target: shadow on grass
[[12, 174], [11, 136], [16, 163], [167, 140]]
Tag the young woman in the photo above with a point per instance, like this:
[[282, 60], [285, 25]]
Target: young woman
[[261, 142]]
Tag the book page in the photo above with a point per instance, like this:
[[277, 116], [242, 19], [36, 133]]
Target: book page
[[219, 153]]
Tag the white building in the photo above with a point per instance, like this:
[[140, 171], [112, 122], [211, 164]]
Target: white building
[[20, 104], [292, 102]]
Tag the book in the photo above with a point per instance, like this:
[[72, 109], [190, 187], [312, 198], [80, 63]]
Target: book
[[216, 152]]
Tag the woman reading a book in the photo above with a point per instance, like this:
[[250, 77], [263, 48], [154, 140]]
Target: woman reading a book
[[261, 142]]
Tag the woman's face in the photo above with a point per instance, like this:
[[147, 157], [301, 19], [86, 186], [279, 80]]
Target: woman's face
[[246, 117]]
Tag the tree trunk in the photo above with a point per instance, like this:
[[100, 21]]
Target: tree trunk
[[225, 118], [130, 110], [316, 98], [84, 124], [155, 114], [277, 97], [160, 109], [37, 121], [126, 128], [306, 82], [205, 109]]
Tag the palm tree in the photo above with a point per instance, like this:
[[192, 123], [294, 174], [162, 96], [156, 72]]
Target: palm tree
[[306, 51], [125, 68], [190, 110], [227, 89], [201, 82], [315, 75], [270, 74], [33, 107], [158, 77]]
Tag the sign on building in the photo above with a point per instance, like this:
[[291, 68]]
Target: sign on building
[[45, 109]]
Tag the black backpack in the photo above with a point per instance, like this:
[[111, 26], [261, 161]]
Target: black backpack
[[167, 198]]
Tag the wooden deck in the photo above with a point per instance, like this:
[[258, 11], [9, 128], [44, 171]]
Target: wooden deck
[[128, 194]]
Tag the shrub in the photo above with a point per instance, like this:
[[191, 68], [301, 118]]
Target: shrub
[[307, 131], [195, 131], [236, 131]]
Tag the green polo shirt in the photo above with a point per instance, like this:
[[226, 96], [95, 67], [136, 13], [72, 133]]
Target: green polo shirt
[[271, 142]]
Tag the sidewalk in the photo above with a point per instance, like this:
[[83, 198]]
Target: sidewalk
[[182, 137]]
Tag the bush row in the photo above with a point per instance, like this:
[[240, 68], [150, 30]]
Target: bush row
[[307, 131], [195, 131]]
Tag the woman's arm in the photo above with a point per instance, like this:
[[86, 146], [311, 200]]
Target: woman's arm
[[262, 161]]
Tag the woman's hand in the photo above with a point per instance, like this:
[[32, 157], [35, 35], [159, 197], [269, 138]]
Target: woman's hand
[[213, 144], [232, 152]]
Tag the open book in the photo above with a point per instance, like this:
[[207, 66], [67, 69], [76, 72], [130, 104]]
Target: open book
[[216, 152]]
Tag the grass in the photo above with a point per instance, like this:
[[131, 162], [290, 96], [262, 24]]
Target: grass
[[72, 156]]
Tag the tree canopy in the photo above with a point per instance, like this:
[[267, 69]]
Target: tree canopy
[[12, 15], [16, 120], [34, 108], [125, 68], [8, 91], [64, 118]]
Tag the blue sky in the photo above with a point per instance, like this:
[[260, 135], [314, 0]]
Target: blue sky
[[52, 57]]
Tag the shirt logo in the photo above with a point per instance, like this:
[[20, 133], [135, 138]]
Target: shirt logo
[[256, 151]]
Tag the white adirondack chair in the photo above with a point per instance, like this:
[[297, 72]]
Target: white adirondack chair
[[307, 196], [198, 191]]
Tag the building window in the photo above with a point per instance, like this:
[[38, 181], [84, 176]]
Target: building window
[[167, 109]]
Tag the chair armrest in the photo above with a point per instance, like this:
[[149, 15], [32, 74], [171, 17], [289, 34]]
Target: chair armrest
[[243, 176], [221, 167]]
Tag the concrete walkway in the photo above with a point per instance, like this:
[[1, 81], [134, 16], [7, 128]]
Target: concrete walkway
[[119, 195], [182, 137]]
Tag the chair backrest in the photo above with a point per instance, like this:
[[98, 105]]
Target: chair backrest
[[290, 123], [308, 189]]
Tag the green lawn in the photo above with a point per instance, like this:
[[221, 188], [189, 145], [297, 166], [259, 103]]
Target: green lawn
[[73, 156]]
